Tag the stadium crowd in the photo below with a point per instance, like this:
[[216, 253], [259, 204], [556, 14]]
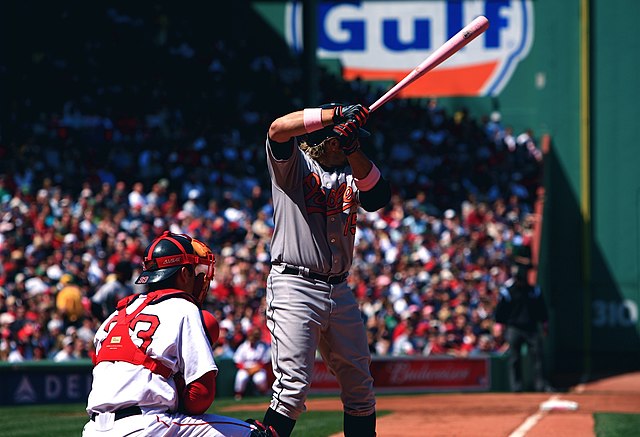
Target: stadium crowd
[[107, 145]]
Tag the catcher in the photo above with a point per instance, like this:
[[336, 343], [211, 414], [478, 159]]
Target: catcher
[[154, 371]]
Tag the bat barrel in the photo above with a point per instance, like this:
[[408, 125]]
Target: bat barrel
[[442, 53]]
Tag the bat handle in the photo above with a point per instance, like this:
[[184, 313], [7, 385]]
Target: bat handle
[[375, 105]]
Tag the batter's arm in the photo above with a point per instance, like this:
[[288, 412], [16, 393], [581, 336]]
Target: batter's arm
[[377, 197], [284, 128], [375, 194], [360, 164]]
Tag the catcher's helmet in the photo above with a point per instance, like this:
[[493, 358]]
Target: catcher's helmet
[[316, 137], [167, 253]]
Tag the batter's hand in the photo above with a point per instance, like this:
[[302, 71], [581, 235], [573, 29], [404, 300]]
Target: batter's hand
[[357, 113], [347, 134], [258, 429]]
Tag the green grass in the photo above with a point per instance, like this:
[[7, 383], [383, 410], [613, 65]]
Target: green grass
[[617, 424], [63, 420], [311, 423], [43, 420]]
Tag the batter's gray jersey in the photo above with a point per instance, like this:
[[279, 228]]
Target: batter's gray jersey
[[315, 220]]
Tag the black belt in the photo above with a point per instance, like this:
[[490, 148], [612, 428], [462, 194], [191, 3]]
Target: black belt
[[121, 414], [329, 279]]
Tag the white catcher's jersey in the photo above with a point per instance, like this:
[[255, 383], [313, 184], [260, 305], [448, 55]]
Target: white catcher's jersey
[[315, 212], [170, 331]]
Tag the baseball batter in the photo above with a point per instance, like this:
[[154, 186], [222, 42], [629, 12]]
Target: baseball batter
[[320, 177], [155, 372]]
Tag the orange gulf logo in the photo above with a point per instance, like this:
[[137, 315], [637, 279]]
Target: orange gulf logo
[[385, 40]]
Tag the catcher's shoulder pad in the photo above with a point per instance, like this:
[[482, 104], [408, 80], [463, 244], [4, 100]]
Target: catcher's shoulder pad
[[126, 301]]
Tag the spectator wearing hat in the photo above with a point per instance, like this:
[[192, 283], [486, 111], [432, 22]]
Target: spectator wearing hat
[[66, 353]]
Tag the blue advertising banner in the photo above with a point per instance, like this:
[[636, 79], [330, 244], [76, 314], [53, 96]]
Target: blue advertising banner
[[44, 385]]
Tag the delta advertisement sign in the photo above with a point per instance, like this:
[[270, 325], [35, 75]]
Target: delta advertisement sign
[[385, 40]]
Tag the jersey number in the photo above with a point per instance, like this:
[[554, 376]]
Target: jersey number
[[350, 225], [143, 326]]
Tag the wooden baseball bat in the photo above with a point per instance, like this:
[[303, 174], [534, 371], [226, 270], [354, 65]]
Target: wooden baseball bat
[[455, 43]]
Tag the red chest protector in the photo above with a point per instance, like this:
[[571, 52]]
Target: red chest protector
[[118, 345]]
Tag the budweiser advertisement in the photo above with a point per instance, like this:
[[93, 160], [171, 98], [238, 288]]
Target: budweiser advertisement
[[384, 40], [416, 375]]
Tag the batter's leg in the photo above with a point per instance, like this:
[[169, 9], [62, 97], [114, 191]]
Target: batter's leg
[[360, 426], [345, 350], [281, 423], [296, 308]]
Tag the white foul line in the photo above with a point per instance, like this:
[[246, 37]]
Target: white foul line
[[531, 421]]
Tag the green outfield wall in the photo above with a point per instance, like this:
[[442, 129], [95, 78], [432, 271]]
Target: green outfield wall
[[576, 84], [590, 247]]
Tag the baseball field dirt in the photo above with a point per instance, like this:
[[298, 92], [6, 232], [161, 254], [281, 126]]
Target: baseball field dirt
[[502, 414]]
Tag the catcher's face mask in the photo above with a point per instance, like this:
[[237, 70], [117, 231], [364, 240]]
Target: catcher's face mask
[[204, 269]]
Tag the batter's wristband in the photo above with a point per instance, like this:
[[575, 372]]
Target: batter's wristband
[[312, 118], [370, 180]]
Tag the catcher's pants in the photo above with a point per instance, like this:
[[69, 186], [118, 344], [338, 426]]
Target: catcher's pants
[[305, 315], [242, 380], [166, 424]]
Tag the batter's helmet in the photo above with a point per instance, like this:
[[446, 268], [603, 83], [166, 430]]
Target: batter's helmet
[[167, 253], [316, 137]]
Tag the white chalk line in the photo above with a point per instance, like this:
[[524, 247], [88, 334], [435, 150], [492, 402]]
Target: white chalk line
[[531, 421]]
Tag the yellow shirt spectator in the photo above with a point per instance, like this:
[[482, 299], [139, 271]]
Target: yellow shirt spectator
[[69, 299]]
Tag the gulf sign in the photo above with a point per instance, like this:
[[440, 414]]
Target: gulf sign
[[385, 40]]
